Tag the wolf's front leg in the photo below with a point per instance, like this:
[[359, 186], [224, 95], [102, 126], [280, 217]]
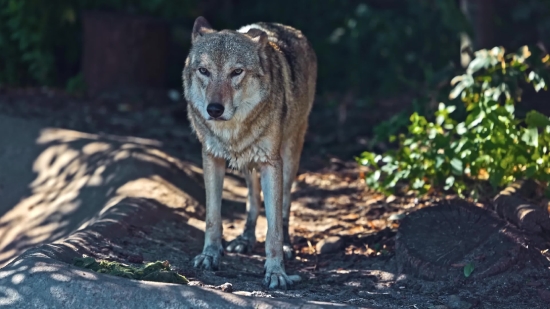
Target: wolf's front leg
[[214, 172], [272, 187], [245, 242]]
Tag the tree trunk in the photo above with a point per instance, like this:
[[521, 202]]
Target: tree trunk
[[480, 14], [123, 52], [439, 242]]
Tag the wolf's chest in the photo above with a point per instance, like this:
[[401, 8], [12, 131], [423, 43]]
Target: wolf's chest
[[240, 153]]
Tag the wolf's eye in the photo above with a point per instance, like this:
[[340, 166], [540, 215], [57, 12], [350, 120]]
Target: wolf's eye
[[203, 71], [236, 72]]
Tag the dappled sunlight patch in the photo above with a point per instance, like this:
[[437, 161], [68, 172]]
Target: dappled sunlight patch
[[234, 189], [42, 267], [96, 147], [79, 176], [7, 255], [17, 278], [7, 273], [50, 135], [56, 162], [8, 296], [60, 277], [84, 274], [198, 224], [383, 276], [157, 188], [59, 293]]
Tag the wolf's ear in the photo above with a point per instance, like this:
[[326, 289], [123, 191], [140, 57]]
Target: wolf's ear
[[200, 28], [257, 36]]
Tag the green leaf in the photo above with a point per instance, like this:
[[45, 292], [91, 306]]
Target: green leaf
[[495, 178], [475, 121], [457, 165], [461, 128], [450, 109], [537, 119], [449, 182], [440, 119], [457, 90], [376, 175], [509, 108], [418, 183], [468, 269], [530, 171], [531, 137], [432, 133], [439, 160], [477, 64]]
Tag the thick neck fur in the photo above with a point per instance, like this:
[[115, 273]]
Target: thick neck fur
[[252, 135]]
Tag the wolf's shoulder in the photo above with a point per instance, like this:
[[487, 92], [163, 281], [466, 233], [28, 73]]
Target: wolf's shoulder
[[281, 34]]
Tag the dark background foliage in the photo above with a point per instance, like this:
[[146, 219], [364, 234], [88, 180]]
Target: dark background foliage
[[369, 51], [370, 48]]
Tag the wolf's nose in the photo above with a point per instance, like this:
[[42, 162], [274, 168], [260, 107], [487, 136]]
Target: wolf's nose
[[215, 109]]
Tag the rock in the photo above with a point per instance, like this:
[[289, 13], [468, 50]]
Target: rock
[[330, 244], [226, 287], [397, 217]]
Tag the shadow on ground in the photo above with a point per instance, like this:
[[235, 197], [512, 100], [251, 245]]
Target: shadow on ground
[[44, 276], [64, 193], [55, 181]]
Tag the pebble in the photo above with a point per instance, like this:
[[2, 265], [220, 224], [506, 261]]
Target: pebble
[[226, 287], [330, 244]]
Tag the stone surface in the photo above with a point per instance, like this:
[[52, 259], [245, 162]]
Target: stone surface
[[226, 287], [329, 245], [38, 281]]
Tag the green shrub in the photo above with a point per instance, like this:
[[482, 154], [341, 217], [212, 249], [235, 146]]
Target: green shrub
[[491, 144]]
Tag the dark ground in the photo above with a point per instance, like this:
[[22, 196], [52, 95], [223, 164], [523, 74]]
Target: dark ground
[[330, 199]]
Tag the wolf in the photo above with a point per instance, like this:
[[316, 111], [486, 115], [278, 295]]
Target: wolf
[[249, 94]]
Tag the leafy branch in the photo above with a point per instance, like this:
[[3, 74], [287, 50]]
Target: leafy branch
[[491, 144]]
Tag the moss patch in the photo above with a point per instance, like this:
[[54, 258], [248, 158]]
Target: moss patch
[[155, 271]]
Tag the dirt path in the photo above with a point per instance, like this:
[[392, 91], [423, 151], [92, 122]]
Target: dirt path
[[330, 200]]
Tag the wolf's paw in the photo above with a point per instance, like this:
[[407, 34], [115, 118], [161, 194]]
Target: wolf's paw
[[241, 244], [209, 259], [288, 252], [276, 277]]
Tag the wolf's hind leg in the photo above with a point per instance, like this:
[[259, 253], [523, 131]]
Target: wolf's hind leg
[[245, 242], [291, 160]]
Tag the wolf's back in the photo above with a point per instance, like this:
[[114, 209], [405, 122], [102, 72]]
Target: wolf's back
[[300, 59]]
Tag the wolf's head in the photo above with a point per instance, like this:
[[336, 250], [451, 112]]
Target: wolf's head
[[224, 77]]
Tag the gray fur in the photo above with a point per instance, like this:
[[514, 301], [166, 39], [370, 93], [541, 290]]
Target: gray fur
[[264, 75]]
